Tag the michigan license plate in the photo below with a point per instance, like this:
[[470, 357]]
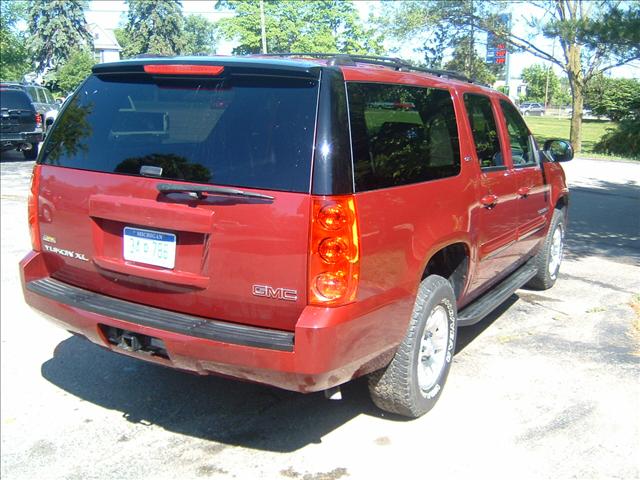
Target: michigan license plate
[[149, 246]]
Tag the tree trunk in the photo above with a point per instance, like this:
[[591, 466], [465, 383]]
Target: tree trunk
[[577, 83], [577, 94]]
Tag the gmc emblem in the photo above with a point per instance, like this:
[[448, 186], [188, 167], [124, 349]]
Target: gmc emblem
[[277, 293]]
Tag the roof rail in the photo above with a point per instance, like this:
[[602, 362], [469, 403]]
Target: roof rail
[[393, 62]]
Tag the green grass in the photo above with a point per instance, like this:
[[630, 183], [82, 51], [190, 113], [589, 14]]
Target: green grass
[[375, 118], [544, 128]]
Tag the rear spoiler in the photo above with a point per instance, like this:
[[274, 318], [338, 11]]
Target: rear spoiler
[[232, 66]]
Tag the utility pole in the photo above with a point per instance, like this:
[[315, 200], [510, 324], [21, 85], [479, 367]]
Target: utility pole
[[471, 43], [546, 87], [263, 27]]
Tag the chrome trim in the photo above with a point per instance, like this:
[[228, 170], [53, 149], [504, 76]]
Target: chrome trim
[[499, 250], [528, 234]]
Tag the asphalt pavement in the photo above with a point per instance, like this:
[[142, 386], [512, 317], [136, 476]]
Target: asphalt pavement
[[545, 387]]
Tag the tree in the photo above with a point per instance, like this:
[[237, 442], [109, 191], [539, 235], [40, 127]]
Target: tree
[[624, 139], [122, 37], [58, 28], [75, 70], [467, 61], [14, 60], [593, 36], [154, 28], [428, 23], [542, 84], [312, 26], [615, 98], [199, 35]]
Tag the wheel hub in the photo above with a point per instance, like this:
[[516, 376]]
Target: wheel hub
[[433, 348], [555, 254]]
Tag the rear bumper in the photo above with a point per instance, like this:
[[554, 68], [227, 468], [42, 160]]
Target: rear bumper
[[22, 137], [329, 346]]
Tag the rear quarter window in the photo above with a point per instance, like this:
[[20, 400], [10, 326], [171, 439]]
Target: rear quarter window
[[241, 131], [33, 93], [401, 135]]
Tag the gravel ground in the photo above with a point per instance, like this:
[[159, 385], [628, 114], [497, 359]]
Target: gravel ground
[[545, 387]]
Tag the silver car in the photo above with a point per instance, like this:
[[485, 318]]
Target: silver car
[[531, 108]]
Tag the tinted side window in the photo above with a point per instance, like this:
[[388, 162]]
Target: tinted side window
[[483, 127], [32, 93], [42, 98], [47, 96], [401, 135], [522, 153]]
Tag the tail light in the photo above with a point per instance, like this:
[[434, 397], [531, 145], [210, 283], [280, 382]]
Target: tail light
[[334, 257], [32, 209], [38, 121]]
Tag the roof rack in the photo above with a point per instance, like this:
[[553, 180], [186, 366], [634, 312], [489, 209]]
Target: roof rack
[[393, 62]]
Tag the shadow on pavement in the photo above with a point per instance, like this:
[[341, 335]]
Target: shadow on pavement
[[11, 156], [466, 335], [604, 221], [211, 408]]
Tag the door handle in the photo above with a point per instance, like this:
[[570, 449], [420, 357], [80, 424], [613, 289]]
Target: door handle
[[489, 201], [524, 191]]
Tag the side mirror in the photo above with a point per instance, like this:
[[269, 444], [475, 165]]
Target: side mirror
[[558, 150]]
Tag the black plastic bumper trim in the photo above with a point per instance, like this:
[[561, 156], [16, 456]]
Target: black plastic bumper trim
[[162, 319]]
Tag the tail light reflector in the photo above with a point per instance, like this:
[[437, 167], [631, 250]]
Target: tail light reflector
[[32, 209], [38, 121], [334, 256]]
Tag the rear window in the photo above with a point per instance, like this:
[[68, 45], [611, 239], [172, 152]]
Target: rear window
[[240, 131], [14, 99], [401, 135]]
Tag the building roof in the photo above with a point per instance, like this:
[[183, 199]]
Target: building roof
[[103, 39]]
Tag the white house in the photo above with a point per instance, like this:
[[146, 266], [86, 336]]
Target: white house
[[105, 45]]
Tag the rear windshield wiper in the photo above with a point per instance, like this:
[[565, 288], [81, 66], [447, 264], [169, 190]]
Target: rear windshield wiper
[[200, 191]]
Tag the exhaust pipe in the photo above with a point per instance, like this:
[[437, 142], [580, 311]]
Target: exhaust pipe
[[25, 147]]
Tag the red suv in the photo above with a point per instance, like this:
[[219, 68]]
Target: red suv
[[298, 222]]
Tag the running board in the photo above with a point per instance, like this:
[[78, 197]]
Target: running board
[[484, 305]]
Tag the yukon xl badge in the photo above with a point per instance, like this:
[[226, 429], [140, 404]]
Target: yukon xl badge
[[277, 293], [65, 253]]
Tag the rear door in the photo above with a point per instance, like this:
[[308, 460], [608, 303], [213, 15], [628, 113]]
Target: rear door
[[238, 254]]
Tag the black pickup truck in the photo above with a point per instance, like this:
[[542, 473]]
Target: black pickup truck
[[20, 124]]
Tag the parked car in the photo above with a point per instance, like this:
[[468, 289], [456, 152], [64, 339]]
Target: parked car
[[272, 220], [20, 124], [528, 108], [586, 113], [42, 101]]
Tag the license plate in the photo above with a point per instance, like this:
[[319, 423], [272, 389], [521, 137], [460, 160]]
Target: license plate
[[149, 246]]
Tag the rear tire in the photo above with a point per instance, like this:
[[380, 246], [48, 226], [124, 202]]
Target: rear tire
[[549, 258], [412, 383], [31, 154]]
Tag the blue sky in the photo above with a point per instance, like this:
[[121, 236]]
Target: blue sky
[[108, 13]]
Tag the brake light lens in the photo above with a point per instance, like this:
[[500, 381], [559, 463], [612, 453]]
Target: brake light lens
[[38, 121], [184, 69], [334, 258], [32, 209]]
